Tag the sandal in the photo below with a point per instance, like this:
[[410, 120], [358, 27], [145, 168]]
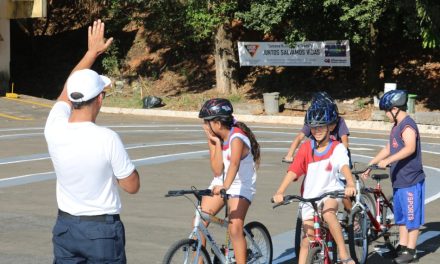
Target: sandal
[[347, 261]]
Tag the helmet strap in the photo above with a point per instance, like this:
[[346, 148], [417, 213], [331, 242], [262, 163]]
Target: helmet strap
[[395, 116]]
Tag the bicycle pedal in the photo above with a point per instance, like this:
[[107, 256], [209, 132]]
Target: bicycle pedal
[[381, 249]]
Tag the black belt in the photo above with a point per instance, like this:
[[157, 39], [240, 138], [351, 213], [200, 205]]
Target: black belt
[[94, 218]]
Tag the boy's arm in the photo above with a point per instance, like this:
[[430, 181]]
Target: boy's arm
[[350, 188], [409, 137], [294, 146], [290, 176], [385, 152], [344, 140]]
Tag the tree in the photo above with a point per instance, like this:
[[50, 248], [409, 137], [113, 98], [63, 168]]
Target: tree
[[214, 19], [368, 24]]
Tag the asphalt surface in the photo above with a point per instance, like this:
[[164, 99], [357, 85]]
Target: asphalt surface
[[170, 153]]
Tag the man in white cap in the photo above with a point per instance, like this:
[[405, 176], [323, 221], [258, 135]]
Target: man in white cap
[[90, 162]]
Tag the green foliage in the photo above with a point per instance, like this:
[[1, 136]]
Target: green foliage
[[428, 13], [266, 15], [235, 98], [203, 17], [110, 62]]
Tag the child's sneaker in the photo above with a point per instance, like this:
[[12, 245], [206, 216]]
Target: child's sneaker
[[406, 257]]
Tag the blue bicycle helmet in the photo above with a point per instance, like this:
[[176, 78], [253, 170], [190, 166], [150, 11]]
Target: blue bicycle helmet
[[216, 108], [393, 98], [321, 114], [322, 99]]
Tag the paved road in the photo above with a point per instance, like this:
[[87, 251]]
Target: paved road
[[170, 154]]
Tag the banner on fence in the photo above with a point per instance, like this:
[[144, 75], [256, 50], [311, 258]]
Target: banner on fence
[[309, 53]]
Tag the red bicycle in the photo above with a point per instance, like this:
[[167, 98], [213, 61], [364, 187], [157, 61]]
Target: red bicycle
[[364, 225], [322, 249]]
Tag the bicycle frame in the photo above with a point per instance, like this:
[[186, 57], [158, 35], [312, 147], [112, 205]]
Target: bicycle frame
[[375, 221], [380, 201], [199, 231], [327, 242]]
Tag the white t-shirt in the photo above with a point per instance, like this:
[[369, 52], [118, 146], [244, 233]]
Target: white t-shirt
[[320, 169], [87, 160], [244, 183]]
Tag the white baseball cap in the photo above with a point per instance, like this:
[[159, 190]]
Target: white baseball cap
[[86, 84]]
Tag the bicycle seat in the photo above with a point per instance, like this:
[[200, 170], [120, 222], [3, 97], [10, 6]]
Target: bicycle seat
[[380, 176]]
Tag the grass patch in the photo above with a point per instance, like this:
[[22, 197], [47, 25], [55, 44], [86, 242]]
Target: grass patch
[[183, 102]]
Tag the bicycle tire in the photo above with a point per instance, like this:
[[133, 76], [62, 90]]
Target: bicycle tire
[[358, 236], [260, 235], [314, 256], [298, 234], [369, 201], [188, 247]]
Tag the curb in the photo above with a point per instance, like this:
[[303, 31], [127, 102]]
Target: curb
[[289, 120]]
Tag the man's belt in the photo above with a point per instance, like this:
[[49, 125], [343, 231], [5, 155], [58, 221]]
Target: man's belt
[[93, 218]]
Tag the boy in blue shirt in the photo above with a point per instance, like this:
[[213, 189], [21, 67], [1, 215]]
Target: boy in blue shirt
[[403, 154]]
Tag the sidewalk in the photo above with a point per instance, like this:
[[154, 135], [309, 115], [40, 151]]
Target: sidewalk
[[276, 119]]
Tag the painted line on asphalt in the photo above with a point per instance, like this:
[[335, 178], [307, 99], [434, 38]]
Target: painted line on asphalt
[[15, 117], [279, 240], [176, 156], [30, 102]]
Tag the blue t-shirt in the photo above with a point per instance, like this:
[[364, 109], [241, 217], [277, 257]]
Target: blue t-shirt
[[408, 171], [340, 130]]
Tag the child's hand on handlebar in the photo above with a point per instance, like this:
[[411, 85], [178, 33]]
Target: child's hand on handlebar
[[366, 174], [350, 190], [217, 189], [278, 198], [383, 164]]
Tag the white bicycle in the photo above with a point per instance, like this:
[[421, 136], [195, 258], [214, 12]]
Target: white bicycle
[[191, 250]]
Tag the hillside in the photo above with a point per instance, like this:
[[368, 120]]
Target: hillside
[[44, 53]]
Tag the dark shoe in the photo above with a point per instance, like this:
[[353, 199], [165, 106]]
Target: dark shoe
[[406, 257]]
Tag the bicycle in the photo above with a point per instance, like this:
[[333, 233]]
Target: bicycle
[[322, 249], [364, 226], [191, 250], [299, 234]]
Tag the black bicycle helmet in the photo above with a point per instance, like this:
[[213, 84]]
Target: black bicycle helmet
[[320, 114], [216, 108], [393, 98]]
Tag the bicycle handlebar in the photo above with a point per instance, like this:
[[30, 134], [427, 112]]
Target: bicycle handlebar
[[197, 193], [287, 199], [371, 167], [286, 161]]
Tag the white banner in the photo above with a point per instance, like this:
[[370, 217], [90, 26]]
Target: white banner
[[309, 53]]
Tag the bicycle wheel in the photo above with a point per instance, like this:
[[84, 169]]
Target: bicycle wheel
[[184, 251], [259, 244], [358, 235], [315, 256], [368, 200], [392, 235], [298, 234]]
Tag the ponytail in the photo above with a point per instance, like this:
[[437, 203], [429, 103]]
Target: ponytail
[[230, 122], [255, 147]]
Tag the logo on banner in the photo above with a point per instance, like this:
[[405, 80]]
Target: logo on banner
[[335, 50], [252, 49]]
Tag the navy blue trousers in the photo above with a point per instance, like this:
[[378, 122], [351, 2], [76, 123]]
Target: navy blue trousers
[[81, 241]]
